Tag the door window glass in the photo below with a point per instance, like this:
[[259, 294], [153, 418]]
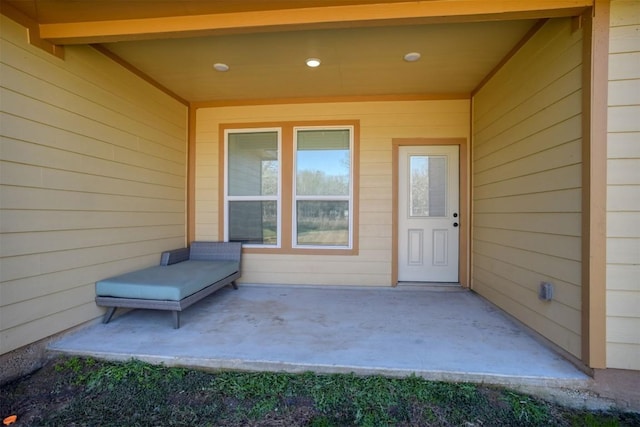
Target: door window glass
[[428, 186]]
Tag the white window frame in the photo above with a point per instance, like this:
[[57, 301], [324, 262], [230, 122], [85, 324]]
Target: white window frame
[[277, 197], [295, 198]]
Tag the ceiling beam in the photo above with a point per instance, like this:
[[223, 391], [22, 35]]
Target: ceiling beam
[[432, 11]]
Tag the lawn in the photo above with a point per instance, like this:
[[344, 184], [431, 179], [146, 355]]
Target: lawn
[[86, 392]]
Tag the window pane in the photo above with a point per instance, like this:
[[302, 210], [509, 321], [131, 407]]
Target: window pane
[[323, 223], [323, 163], [428, 180], [253, 222], [253, 164]]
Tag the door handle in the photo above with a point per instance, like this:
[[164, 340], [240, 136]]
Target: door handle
[[455, 224]]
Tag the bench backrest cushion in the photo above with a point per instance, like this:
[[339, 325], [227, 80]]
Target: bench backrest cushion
[[219, 251]]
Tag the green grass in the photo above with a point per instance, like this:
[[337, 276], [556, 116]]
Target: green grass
[[89, 392]]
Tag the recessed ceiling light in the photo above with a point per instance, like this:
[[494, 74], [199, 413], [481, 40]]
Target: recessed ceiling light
[[412, 56], [221, 67], [313, 62]]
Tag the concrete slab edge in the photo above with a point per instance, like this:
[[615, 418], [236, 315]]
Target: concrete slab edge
[[574, 393]]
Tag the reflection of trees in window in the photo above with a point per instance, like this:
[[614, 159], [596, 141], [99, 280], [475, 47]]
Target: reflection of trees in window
[[317, 182], [419, 186], [428, 185], [269, 177], [323, 187], [322, 222]]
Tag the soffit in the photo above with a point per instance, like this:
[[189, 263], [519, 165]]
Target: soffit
[[355, 62], [361, 43]]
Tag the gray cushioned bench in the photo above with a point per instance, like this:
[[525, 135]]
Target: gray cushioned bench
[[183, 277]]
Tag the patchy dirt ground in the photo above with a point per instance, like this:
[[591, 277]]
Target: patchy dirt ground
[[86, 392], [34, 396], [39, 398]]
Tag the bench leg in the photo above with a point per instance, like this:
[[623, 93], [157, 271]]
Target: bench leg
[[109, 314], [234, 284], [176, 319]]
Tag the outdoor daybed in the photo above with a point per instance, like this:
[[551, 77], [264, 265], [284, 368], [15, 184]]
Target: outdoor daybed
[[183, 277]]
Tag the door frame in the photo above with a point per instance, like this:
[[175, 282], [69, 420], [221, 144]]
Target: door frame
[[465, 217]]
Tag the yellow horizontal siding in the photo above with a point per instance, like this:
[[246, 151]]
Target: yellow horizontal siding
[[623, 188], [17, 150], [623, 92], [532, 161], [566, 224], [39, 94], [554, 44], [43, 306], [14, 197], [518, 151], [623, 145], [625, 303], [545, 265], [380, 122], [623, 250], [33, 283], [15, 244], [281, 278], [566, 247], [527, 179], [538, 121], [624, 118], [562, 315], [316, 267], [35, 220], [623, 65], [624, 12], [525, 279], [560, 331], [622, 277], [562, 178], [624, 38], [561, 201], [92, 182], [97, 80], [538, 94], [623, 225], [15, 174], [623, 198], [623, 171], [62, 320], [623, 355], [25, 266], [625, 330]]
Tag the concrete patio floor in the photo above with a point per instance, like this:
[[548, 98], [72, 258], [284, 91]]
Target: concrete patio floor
[[439, 333]]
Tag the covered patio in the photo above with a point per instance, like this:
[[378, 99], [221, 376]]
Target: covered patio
[[112, 154], [437, 332]]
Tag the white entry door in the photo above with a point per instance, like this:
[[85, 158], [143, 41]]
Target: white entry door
[[429, 216]]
